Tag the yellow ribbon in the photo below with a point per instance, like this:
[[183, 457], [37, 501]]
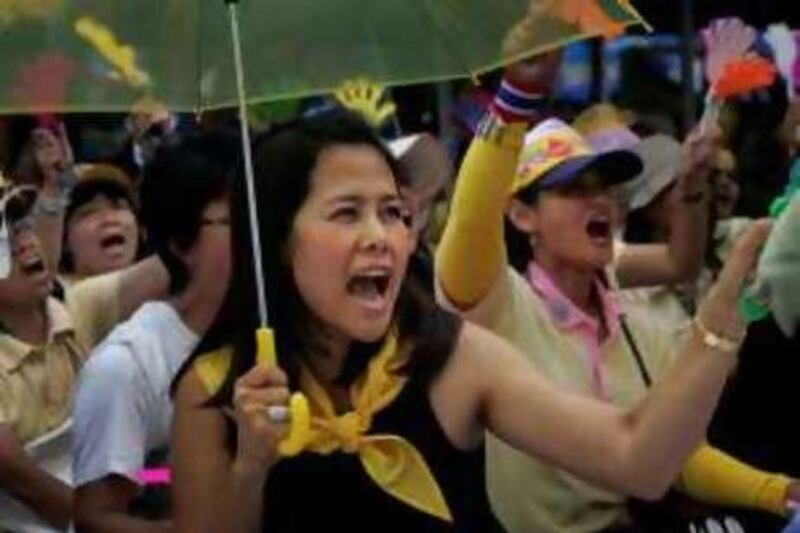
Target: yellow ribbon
[[392, 462]]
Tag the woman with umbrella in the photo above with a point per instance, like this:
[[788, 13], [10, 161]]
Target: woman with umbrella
[[400, 391]]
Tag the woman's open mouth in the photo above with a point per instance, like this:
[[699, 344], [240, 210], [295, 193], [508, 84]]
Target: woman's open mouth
[[34, 267], [599, 228], [114, 243], [371, 288]]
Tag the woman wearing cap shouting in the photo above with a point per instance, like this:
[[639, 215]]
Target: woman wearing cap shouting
[[545, 289]]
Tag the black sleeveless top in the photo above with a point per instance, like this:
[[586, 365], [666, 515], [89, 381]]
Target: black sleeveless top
[[313, 492]]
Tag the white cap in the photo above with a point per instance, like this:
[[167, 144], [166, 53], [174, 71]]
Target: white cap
[[399, 147]]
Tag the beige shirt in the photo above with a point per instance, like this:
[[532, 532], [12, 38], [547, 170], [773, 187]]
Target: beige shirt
[[530, 495], [36, 381]]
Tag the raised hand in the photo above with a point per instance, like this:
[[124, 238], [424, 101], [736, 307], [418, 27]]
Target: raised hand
[[699, 155], [718, 312], [53, 154], [725, 40], [539, 71]]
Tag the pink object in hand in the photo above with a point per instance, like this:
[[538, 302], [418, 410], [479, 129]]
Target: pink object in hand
[[155, 476]]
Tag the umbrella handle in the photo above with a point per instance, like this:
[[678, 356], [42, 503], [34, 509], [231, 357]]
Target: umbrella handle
[[299, 413], [299, 427], [265, 347]]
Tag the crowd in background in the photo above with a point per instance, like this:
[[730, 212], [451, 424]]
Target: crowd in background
[[413, 284]]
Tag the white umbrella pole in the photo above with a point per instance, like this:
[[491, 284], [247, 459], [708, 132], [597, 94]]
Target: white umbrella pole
[[255, 234]]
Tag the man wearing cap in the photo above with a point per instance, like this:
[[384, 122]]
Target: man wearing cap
[[101, 231], [42, 346], [556, 305]]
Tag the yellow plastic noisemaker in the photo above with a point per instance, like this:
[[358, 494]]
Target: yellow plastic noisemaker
[[300, 415]]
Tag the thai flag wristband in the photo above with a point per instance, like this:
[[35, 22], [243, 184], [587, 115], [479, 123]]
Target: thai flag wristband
[[516, 103]]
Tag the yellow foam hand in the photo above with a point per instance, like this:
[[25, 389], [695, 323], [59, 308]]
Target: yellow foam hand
[[300, 414], [366, 98], [122, 57]]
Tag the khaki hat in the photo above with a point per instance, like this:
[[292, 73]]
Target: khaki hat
[[661, 156], [423, 161], [86, 172], [607, 128], [94, 179]]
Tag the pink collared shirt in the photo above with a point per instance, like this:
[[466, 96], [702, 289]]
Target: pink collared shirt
[[570, 318]]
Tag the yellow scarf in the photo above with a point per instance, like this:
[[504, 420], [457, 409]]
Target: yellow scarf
[[392, 462]]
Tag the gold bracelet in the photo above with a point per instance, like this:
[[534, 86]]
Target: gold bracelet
[[714, 341]]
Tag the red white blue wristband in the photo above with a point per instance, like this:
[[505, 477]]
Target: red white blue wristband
[[514, 103]]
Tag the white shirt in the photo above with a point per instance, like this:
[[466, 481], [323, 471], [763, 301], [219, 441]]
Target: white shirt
[[122, 405]]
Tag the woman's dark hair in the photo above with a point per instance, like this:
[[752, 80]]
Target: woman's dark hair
[[284, 161], [763, 160], [185, 175], [638, 227], [518, 243]]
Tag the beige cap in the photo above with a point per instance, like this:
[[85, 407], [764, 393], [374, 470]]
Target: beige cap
[[661, 155], [423, 160]]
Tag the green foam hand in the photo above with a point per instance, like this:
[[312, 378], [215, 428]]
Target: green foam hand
[[776, 287]]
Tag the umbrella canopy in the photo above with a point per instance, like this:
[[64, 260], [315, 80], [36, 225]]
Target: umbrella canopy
[[100, 55]]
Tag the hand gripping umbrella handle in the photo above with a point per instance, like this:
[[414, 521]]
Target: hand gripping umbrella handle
[[300, 423], [299, 414]]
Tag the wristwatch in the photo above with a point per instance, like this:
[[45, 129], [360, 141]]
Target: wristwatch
[[712, 340]]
